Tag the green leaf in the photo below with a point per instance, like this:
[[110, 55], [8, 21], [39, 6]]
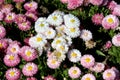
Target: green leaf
[[100, 53]]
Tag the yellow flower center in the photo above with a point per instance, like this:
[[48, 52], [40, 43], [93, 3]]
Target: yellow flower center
[[12, 73], [13, 49], [39, 39], [53, 61], [74, 72], [85, 34], [72, 20], [49, 32], [62, 48], [87, 78], [41, 25], [58, 54], [108, 74], [54, 18], [1, 45], [28, 53], [110, 20], [87, 60], [30, 68], [30, 5], [58, 41], [62, 28], [10, 17], [24, 24], [59, 34], [73, 54], [11, 57], [72, 29]]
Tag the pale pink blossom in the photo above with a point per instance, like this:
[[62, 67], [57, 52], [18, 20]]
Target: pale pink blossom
[[49, 77], [2, 32], [112, 5], [116, 40], [88, 77], [116, 10], [7, 8], [96, 2], [10, 17], [20, 18]]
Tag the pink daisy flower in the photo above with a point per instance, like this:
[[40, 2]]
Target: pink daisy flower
[[116, 40], [112, 5], [1, 1], [10, 17], [96, 2], [28, 53], [7, 8], [3, 44], [11, 60], [97, 19], [116, 10], [31, 78], [117, 73], [53, 63], [31, 16], [18, 1], [87, 61], [49, 77], [73, 4], [20, 18], [109, 74], [30, 69], [88, 77], [24, 26], [2, 32], [13, 48], [1, 16], [12, 74], [110, 22], [74, 72], [31, 6], [64, 1]]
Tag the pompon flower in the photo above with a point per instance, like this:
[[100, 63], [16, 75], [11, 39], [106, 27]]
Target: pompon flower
[[112, 5], [50, 33], [97, 18], [7, 8], [1, 1], [74, 55], [86, 35], [20, 18], [96, 2], [116, 10], [49, 77], [3, 44], [98, 67], [55, 19], [30, 69], [31, 78], [28, 53], [116, 40], [73, 4], [10, 17], [2, 32], [74, 72], [87, 61], [31, 16], [31, 6], [11, 60], [109, 74], [110, 22], [12, 74], [64, 1], [88, 77], [25, 26], [18, 1], [37, 41], [13, 48], [1, 16], [53, 63], [71, 21]]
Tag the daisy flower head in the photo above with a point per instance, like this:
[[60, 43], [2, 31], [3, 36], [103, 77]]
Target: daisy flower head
[[110, 22], [32, 16], [71, 20], [72, 32], [31, 78], [12, 74], [87, 61], [1, 16], [97, 19], [55, 19], [74, 72], [28, 53], [116, 10], [10, 17], [11, 60], [49, 77], [30, 69], [25, 26], [62, 48], [40, 19], [112, 5], [73, 4], [20, 18], [3, 44], [116, 40], [53, 63], [50, 33], [88, 77], [31, 6], [7, 8], [2, 32], [18, 1], [109, 74], [86, 35], [74, 55], [96, 2]]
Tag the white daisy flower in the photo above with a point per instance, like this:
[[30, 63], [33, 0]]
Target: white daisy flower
[[55, 19], [41, 19], [71, 20], [62, 48], [72, 32], [74, 55], [50, 33], [41, 27], [86, 35], [59, 12]]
